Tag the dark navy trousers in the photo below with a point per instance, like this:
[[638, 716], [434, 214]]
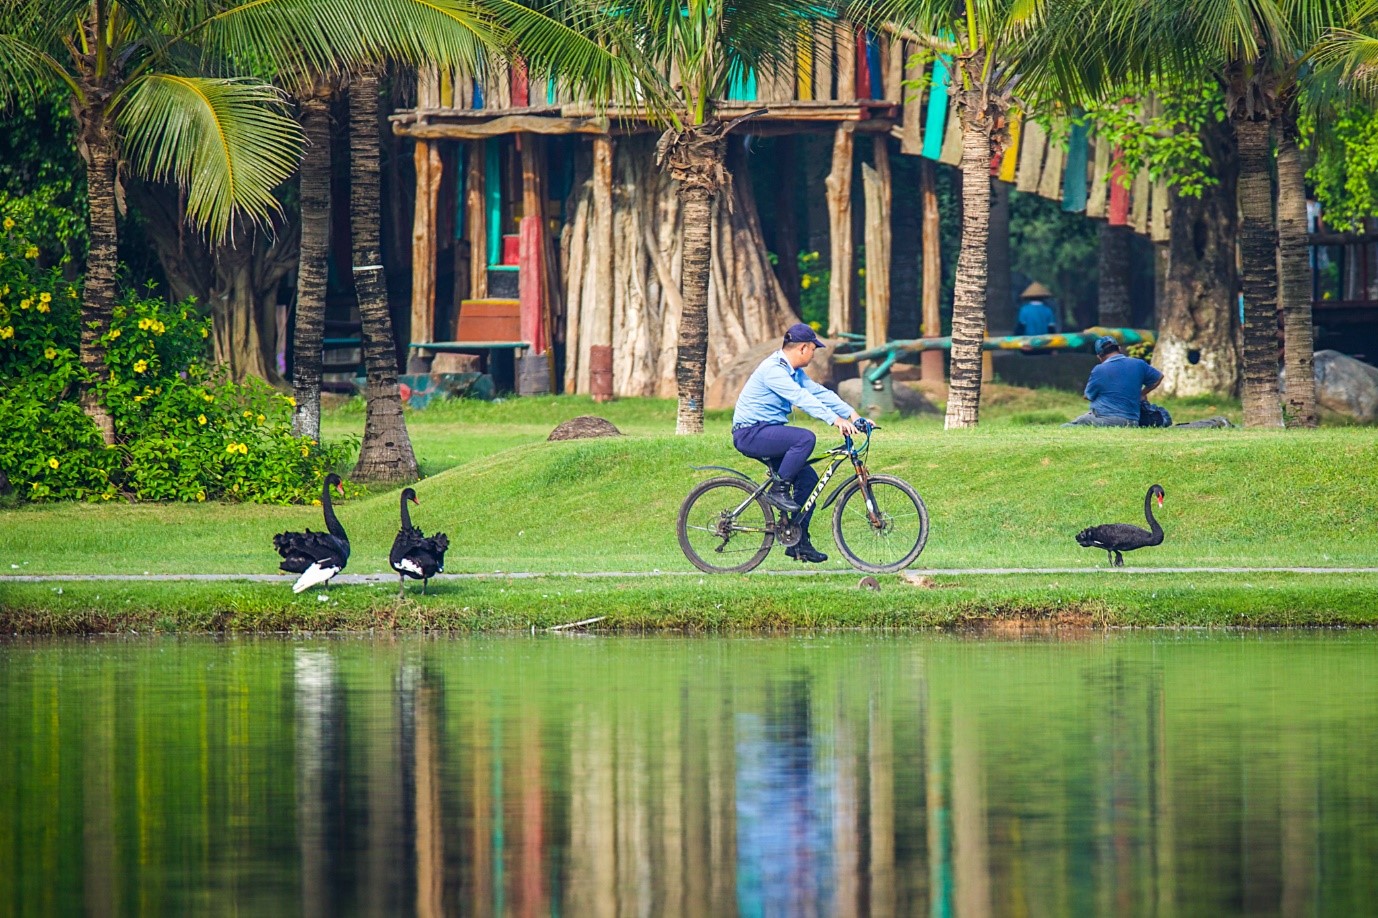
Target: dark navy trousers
[[787, 449]]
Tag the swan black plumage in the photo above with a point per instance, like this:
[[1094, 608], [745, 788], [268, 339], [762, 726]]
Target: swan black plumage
[[413, 554], [1119, 537], [317, 556]]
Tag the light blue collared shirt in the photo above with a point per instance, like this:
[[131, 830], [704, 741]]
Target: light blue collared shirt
[[776, 388]]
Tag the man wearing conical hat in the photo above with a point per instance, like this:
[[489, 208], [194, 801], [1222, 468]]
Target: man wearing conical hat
[[1036, 317]]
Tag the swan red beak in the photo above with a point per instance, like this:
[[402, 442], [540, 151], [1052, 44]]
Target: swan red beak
[[1160, 500], [415, 501], [340, 488]]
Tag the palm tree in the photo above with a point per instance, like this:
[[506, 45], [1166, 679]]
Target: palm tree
[[704, 44], [386, 452], [984, 42]]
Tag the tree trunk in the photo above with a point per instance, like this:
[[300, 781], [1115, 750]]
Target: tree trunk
[[102, 261], [309, 327], [385, 454], [1294, 274], [1114, 309], [696, 158], [931, 362], [1000, 313], [1198, 348], [969, 293], [840, 261], [876, 187], [1259, 260], [693, 324]]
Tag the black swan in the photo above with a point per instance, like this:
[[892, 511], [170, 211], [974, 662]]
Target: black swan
[[414, 555], [317, 556], [1118, 537]]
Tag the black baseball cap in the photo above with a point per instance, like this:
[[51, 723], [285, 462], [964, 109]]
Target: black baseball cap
[[799, 332]]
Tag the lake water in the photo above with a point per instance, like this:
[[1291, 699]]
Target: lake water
[[1161, 773]]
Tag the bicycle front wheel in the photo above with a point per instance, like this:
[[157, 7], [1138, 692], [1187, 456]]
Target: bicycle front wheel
[[886, 537], [723, 529]]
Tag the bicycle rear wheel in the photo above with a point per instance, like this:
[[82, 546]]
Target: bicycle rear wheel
[[890, 539], [715, 537]]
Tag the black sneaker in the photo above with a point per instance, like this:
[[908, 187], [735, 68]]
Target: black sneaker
[[805, 552], [778, 496]]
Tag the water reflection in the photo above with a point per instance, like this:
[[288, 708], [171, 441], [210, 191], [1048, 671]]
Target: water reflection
[[1134, 775]]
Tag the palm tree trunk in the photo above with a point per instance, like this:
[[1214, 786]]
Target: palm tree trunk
[[1258, 256], [969, 293], [693, 324], [1294, 273], [696, 158], [98, 293], [386, 452], [1113, 298], [309, 329]]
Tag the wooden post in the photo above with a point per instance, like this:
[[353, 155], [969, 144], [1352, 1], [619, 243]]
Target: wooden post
[[476, 220], [931, 363], [530, 279], [599, 309], [823, 41], [839, 189], [876, 186], [911, 138], [423, 244], [845, 37]]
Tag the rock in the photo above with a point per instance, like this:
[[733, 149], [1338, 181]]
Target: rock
[[869, 583], [1217, 421], [1347, 386], [584, 428], [909, 399], [722, 392]]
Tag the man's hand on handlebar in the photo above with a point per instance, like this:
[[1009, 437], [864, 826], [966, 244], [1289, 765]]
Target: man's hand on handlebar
[[847, 428]]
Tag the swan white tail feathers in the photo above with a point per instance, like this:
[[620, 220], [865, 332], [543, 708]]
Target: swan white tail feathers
[[410, 566], [314, 575]]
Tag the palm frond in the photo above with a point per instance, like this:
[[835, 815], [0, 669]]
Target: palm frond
[[227, 142], [1353, 56], [26, 71]]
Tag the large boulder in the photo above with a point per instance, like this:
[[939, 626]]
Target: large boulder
[[909, 399], [723, 390], [1347, 386], [585, 427]]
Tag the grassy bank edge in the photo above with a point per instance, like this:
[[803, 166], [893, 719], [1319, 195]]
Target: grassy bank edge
[[690, 605]]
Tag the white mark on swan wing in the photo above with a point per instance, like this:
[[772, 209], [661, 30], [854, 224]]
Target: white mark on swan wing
[[315, 574]]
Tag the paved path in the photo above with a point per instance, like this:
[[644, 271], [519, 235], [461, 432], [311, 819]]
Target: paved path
[[603, 575]]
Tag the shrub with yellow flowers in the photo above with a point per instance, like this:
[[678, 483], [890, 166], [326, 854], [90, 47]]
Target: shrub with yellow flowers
[[183, 431]]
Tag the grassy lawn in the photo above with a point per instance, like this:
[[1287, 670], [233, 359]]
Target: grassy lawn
[[1010, 494]]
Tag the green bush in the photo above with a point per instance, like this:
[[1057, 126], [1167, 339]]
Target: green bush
[[182, 432]]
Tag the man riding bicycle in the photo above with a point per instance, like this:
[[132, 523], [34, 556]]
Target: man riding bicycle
[[760, 431]]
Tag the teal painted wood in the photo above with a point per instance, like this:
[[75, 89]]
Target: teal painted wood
[[492, 188], [1074, 177], [550, 91], [743, 86], [937, 107]]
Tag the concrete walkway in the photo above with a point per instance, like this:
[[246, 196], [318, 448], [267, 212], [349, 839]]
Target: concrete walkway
[[605, 575]]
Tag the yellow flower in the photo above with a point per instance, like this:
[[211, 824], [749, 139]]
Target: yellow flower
[[204, 333], [71, 293], [248, 414], [9, 223], [316, 502], [261, 419], [207, 396], [31, 252], [43, 307], [7, 331], [114, 333], [50, 353], [291, 401], [232, 448], [144, 324], [806, 281], [158, 328], [140, 366], [25, 303], [53, 463], [201, 419], [200, 495], [45, 297], [243, 449], [305, 451]]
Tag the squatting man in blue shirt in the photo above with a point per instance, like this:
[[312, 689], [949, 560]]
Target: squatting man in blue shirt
[[1117, 389], [759, 428]]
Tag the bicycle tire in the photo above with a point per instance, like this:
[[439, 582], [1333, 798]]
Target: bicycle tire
[[911, 551], [686, 514]]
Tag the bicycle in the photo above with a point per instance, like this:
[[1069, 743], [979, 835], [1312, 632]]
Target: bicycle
[[726, 526]]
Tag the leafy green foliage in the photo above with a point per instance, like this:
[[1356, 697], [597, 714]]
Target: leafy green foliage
[[1345, 174], [42, 182], [182, 432]]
